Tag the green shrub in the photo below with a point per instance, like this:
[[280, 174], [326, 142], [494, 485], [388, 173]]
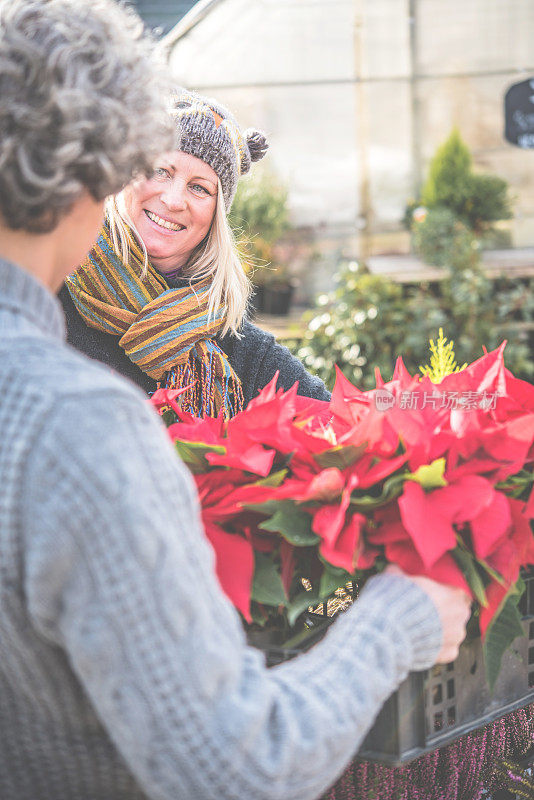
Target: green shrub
[[496, 239], [367, 321], [259, 218], [448, 173], [478, 200], [260, 207], [487, 201], [442, 240]]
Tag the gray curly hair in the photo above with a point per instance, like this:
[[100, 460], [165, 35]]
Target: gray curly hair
[[82, 106]]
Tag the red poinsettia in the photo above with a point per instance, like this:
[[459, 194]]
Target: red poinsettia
[[434, 477]]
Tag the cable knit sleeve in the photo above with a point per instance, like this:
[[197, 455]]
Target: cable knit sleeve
[[118, 575]]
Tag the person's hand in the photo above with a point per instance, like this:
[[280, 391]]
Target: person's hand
[[453, 606]]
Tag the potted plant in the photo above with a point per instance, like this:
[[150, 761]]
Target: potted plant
[[300, 497], [459, 209], [259, 219]]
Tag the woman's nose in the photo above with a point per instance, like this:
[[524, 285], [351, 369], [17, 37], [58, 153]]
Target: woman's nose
[[174, 195]]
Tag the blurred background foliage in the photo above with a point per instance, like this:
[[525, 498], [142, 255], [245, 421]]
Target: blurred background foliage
[[458, 208], [368, 320], [477, 200], [259, 218]]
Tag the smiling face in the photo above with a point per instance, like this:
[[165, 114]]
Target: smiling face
[[173, 209]]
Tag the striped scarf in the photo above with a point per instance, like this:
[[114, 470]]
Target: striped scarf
[[166, 332]]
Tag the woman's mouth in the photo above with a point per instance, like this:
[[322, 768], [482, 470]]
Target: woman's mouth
[[163, 223]]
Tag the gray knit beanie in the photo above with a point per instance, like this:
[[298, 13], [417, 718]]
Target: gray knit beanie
[[208, 131]]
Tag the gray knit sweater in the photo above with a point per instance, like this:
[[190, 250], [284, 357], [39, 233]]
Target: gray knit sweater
[[124, 672]]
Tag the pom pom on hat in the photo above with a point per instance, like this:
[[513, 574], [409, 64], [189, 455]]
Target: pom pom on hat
[[257, 143]]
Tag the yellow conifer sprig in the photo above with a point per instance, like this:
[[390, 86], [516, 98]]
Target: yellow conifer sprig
[[442, 360]]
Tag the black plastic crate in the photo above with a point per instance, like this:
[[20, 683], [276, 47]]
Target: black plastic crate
[[433, 708]]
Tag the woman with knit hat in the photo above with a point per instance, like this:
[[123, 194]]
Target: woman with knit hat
[[162, 296], [162, 299]]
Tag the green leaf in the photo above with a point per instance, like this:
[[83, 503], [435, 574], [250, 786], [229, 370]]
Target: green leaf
[[275, 479], [194, 454], [494, 575], [520, 587], [292, 523], [169, 417], [500, 634], [522, 478], [467, 564], [258, 617], [429, 476], [392, 488], [301, 603], [267, 507], [341, 456], [267, 585], [332, 579]]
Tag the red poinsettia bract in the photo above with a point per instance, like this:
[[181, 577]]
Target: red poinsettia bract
[[442, 486]]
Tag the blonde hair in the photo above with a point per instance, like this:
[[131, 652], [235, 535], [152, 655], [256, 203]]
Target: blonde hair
[[217, 255]]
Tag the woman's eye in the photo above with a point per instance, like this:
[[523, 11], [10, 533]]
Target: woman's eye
[[197, 187], [160, 172]]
